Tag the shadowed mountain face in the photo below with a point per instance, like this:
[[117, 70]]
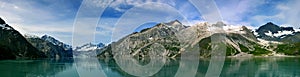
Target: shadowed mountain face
[[2, 21], [13, 45], [268, 27]]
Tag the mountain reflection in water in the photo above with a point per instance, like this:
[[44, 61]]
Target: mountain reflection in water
[[92, 67], [233, 67], [34, 68]]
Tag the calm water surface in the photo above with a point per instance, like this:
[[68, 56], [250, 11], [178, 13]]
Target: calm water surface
[[92, 67]]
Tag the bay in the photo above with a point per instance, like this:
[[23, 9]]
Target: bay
[[93, 67]]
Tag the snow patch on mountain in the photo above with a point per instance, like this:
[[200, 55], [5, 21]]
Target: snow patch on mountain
[[87, 50], [234, 29], [89, 47], [255, 33], [297, 30], [267, 43], [30, 36], [4, 26], [50, 39], [56, 42], [269, 33], [279, 33]]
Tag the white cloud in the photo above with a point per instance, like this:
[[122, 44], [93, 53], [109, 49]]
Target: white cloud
[[234, 11], [117, 4]]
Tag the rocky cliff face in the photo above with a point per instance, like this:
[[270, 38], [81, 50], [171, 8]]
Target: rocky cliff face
[[13, 45], [138, 44], [176, 38]]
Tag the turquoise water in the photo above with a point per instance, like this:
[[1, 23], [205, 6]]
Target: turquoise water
[[92, 67]]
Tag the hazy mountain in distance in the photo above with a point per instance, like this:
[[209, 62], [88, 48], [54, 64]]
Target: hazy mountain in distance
[[87, 50]]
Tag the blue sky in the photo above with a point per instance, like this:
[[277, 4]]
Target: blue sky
[[56, 17]]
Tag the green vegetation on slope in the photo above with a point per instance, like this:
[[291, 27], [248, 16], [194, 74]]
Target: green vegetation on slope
[[289, 49]]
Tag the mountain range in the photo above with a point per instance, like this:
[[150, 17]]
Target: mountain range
[[169, 39], [14, 45], [268, 40]]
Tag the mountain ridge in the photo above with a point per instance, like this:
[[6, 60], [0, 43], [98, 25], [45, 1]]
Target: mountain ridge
[[239, 42], [52, 48]]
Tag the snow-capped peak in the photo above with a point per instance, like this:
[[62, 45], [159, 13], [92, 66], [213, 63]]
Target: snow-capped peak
[[89, 47], [275, 32], [55, 42], [50, 39], [175, 22], [30, 36]]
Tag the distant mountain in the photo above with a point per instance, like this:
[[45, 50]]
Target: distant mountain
[[87, 50], [176, 38], [287, 37], [51, 47], [13, 45], [274, 32], [89, 47]]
